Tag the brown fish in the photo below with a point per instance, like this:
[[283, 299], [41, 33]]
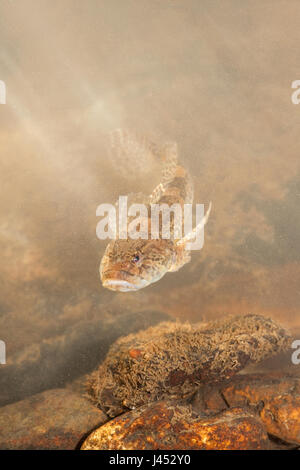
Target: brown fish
[[131, 264]]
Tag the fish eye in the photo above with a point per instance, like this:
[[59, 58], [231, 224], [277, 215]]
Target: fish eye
[[135, 259]]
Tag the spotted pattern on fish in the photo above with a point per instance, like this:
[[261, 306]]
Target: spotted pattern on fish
[[129, 265]]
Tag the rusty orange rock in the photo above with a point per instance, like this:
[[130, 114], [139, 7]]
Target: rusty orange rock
[[276, 398], [281, 416], [168, 425]]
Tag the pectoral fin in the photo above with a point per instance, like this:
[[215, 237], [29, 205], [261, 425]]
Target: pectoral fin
[[157, 193], [182, 257], [191, 236]]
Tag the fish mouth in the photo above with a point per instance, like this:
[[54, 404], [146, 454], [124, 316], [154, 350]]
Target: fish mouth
[[122, 281], [119, 285]]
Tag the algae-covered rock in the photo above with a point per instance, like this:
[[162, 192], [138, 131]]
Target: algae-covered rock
[[43, 365], [172, 360]]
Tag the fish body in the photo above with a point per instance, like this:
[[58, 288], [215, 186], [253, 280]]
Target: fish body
[[132, 264]]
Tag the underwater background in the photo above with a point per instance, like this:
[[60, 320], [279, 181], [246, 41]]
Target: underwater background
[[215, 77]]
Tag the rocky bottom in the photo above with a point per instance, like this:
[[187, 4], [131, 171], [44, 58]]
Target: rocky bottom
[[251, 412], [190, 404]]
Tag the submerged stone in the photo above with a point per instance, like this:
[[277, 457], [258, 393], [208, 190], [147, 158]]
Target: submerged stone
[[55, 419], [168, 425], [171, 360], [275, 397]]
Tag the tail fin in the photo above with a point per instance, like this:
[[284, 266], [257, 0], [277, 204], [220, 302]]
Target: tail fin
[[132, 154], [128, 143], [169, 156]]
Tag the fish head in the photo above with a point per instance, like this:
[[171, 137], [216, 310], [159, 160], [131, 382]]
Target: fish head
[[130, 265]]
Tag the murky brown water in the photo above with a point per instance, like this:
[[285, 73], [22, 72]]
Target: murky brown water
[[214, 76]]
